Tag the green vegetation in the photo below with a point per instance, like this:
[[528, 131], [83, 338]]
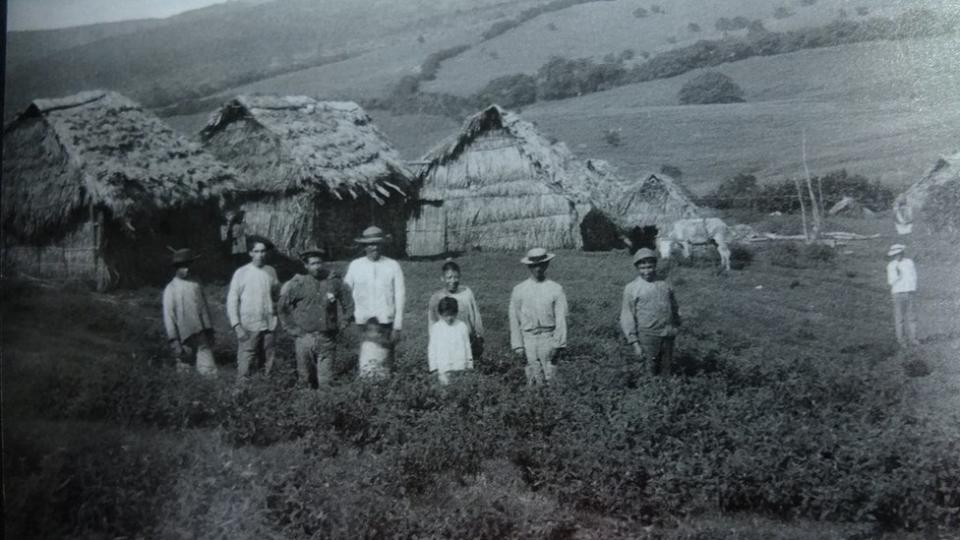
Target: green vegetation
[[743, 191], [710, 87], [503, 26]]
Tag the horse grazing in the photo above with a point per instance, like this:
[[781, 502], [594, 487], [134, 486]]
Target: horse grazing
[[697, 231]]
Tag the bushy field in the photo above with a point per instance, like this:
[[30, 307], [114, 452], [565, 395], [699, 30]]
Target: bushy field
[[788, 405]]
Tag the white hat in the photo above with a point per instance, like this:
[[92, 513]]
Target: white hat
[[896, 249], [537, 255], [372, 235]]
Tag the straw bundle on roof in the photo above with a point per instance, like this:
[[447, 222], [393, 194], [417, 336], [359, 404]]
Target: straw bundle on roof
[[504, 186], [311, 171], [62, 156]]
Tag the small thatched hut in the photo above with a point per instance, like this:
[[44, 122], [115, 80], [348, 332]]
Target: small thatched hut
[[933, 199], [311, 172], [499, 184], [95, 188], [656, 200]]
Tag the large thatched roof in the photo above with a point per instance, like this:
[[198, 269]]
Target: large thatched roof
[[100, 148], [295, 145], [945, 171], [649, 199]]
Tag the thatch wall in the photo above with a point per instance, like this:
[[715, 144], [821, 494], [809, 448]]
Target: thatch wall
[[311, 172], [98, 157], [657, 200], [945, 171]]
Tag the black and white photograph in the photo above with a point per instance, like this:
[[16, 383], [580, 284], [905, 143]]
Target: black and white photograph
[[480, 269]]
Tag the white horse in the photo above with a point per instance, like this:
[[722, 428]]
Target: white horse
[[697, 231]]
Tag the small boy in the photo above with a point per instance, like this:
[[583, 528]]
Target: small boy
[[649, 316], [449, 348], [902, 278], [187, 318], [538, 319], [375, 350], [468, 311]]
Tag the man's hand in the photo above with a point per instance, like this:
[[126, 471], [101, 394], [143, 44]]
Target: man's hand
[[395, 335], [637, 350], [241, 333]]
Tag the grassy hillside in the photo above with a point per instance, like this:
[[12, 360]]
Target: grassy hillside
[[33, 45]]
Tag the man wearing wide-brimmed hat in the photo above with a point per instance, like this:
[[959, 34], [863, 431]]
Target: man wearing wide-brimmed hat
[[310, 307], [378, 289], [250, 308], [902, 278], [186, 317], [649, 316], [538, 318]]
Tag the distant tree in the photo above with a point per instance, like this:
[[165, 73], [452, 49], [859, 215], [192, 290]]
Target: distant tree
[[609, 58], [693, 27], [782, 12], [552, 27], [640, 12], [508, 91], [421, 39], [644, 54], [612, 137], [737, 192], [723, 24], [710, 87], [740, 22], [863, 11], [656, 8], [756, 29], [626, 54]]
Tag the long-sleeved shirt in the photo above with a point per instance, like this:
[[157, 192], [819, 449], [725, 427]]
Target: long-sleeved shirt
[[902, 276], [538, 306], [251, 296], [467, 309], [378, 290], [185, 312], [449, 348], [648, 308], [308, 304]]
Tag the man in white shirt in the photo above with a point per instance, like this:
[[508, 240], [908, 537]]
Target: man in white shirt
[[376, 283], [250, 307], [186, 317], [902, 278], [538, 319]]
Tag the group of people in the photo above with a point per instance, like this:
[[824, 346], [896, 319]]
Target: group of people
[[315, 306]]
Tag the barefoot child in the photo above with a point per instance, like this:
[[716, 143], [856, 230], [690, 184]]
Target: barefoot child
[[449, 348], [468, 312], [649, 317], [186, 317]]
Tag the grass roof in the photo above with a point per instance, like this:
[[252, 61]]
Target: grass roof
[[944, 171], [100, 148], [296, 144]]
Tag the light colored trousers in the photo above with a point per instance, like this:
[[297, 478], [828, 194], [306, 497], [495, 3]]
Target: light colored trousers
[[248, 350], [905, 318], [199, 347], [315, 351], [540, 348], [376, 357]]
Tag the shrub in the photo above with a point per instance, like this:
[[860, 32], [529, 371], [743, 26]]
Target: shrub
[[430, 66], [640, 12], [612, 137], [737, 192], [562, 78], [710, 87], [792, 255], [656, 8], [693, 27], [626, 54], [509, 91], [671, 40]]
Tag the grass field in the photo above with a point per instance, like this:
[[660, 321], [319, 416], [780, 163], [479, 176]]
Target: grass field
[[771, 352]]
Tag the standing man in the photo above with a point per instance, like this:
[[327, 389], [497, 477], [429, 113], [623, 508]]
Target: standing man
[[186, 317], [250, 308], [902, 278], [649, 316], [309, 307], [378, 292], [538, 319]]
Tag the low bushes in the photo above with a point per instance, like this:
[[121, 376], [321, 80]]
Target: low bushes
[[791, 255]]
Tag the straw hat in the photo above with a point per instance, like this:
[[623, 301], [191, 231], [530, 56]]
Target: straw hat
[[183, 256], [896, 249], [372, 235], [644, 253], [536, 256]]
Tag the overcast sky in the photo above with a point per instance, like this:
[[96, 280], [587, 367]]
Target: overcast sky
[[35, 14]]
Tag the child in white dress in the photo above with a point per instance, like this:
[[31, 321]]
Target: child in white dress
[[449, 348]]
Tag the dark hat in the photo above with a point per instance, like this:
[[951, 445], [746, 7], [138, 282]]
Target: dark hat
[[537, 255], [372, 235], [312, 250], [183, 256]]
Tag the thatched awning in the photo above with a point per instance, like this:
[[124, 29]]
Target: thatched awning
[[295, 144], [99, 148]]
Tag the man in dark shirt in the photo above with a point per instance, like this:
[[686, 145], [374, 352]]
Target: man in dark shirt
[[309, 308]]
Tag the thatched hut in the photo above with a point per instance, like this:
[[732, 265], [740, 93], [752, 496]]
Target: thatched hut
[[933, 199], [499, 184], [95, 188], [311, 172], [655, 200]]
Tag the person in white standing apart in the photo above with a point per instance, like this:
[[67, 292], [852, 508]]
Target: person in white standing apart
[[187, 318], [538, 319], [250, 307], [449, 348], [378, 290], [902, 278]]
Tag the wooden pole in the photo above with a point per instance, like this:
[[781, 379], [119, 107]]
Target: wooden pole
[[814, 212], [803, 210]]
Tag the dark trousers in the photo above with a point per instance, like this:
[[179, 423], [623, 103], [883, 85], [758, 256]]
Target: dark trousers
[[657, 353]]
